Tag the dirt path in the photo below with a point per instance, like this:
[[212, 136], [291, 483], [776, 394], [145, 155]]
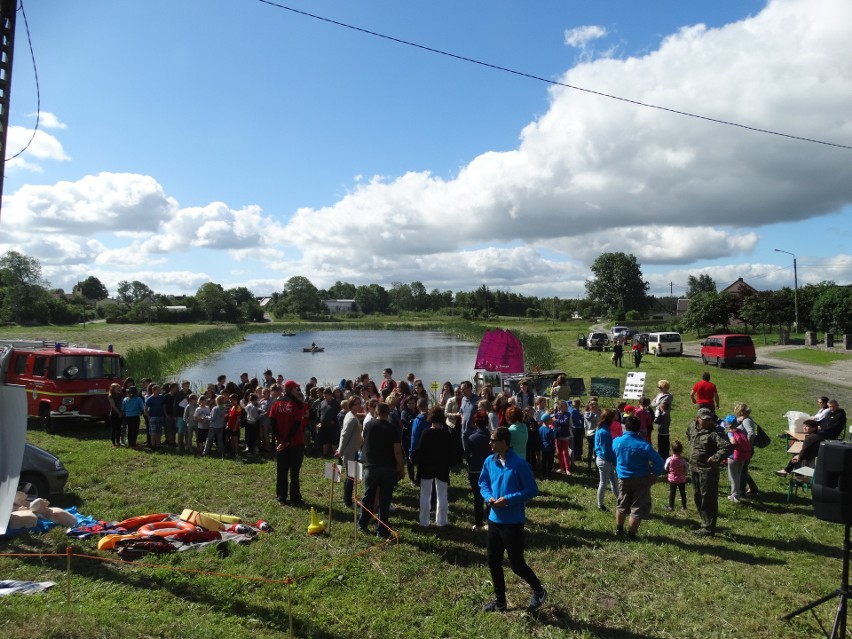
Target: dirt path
[[837, 373]]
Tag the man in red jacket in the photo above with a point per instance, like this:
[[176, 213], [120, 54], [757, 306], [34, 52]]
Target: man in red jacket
[[287, 416]]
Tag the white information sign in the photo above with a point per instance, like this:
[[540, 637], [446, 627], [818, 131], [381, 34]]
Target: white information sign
[[355, 470], [634, 385], [332, 471]]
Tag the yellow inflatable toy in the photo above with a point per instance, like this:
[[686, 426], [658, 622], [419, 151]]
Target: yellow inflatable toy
[[315, 527]]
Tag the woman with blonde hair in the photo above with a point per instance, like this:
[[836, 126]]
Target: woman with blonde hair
[[742, 411]]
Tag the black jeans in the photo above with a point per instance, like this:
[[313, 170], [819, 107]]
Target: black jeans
[[663, 445], [479, 510], [673, 488], [288, 465], [381, 480], [132, 430], [508, 538], [579, 434]]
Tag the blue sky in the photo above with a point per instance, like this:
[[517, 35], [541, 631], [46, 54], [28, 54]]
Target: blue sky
[[237, 142]]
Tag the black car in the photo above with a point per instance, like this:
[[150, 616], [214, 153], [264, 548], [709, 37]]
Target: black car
[[42, 474]]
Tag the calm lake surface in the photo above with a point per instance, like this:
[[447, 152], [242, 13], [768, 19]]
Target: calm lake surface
[[431, 356]]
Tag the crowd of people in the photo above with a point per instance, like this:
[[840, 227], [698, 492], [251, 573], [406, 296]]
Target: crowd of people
[[506, 440]]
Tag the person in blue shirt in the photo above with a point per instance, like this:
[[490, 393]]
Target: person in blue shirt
[[605, 458], [507, 483], [547, 437], [637, 464]]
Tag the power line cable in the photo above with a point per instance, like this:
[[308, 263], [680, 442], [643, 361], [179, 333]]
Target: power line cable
[[555, 83], [38, 90]]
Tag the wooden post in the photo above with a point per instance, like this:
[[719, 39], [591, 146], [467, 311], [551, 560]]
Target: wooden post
[[68, 575], [355, 507], [331, 495], [290, 605]]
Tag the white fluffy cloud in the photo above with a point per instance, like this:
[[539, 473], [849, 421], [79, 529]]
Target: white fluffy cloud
[[588, 176], [594, 175]]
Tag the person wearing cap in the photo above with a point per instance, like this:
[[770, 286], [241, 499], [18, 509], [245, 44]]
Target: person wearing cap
[[709, 448], [476, 450], [637, 464], [287, 416]]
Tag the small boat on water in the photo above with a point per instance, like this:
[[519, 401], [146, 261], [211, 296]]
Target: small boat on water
[[288, 333], [313, 349]]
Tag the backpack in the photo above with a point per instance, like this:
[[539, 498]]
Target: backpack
[[761, 439]]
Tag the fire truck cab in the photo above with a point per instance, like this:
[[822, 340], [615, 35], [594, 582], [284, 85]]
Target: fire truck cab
[[62, 381]]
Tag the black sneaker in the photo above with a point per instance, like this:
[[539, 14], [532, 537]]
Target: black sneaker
[[619, 532], [538, 598], [631, 535], [494, 606]]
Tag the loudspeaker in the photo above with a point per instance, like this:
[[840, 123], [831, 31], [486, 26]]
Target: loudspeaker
[[832, 482]]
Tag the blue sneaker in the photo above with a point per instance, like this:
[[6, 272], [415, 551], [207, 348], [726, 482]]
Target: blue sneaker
[[494, 606], [538, 599]]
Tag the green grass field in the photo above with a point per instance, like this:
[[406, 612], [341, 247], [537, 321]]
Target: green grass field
[[769, 558]]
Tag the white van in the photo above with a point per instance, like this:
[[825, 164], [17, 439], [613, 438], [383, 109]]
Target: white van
[[665, 344]]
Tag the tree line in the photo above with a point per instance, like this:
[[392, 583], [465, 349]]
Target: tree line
[[616, 291]]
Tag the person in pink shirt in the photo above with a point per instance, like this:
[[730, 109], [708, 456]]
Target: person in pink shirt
[[676, 468]]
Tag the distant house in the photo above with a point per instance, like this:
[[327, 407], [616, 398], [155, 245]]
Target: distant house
[[263, 302], [682, 305], [341, 306], [739, 288]]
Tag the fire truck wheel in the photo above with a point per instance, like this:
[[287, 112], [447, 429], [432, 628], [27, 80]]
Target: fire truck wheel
[[44, 419]]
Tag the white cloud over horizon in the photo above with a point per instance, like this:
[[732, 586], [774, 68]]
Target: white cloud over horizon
[[590, 175]]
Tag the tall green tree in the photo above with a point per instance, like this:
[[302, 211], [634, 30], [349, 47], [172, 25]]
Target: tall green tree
[[302, 297], [214, 302], [617, 284], [701, 284], [130, 293], [93, 289], [24, 291], [372, 298], [832, 310], [342, 291], [709, 311]]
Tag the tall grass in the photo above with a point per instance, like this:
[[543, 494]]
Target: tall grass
[[178, 353]]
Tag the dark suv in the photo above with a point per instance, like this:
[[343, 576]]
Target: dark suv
[[597, 341]]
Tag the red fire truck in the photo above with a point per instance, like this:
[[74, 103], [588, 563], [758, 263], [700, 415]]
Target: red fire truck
[[62, 381]]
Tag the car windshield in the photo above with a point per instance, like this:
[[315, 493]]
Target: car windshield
[[85, 367]]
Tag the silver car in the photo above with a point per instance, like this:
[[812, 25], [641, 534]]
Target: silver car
[[42, 474]]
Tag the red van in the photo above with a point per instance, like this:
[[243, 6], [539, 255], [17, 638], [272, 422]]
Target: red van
[[728, 350]]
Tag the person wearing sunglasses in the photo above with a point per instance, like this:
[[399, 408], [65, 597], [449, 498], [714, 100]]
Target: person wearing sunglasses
[[507, 483]]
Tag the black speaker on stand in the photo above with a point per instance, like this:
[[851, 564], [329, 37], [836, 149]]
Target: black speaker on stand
[[832, 496]]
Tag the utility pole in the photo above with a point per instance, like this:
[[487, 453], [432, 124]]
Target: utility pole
[[8, 11], [795, 290]]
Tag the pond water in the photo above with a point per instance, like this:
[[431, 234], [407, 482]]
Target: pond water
[[430, 355]]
